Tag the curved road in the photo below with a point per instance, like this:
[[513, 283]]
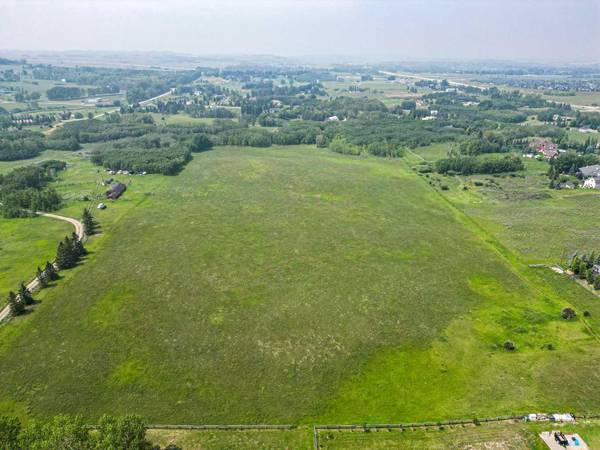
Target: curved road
[[34, 284]]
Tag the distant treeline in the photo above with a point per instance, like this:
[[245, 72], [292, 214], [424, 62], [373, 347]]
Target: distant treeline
[[467, 165], [23, 191], [15, 145]]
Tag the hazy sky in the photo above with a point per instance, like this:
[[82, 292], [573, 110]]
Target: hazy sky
[[555, 30]]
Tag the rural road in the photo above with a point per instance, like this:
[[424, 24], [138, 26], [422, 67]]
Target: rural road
[[33, 285], [109, 111]]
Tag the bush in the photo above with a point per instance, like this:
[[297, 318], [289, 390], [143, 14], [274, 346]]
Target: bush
[[200, 143], [568, 313], [509, 345]]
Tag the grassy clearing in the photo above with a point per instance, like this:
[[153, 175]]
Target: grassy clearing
[[294, 285], [24, 245], [542, 225]]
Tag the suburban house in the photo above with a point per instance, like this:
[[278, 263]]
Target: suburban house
[[115, 191], [590, 171], [546, 147]]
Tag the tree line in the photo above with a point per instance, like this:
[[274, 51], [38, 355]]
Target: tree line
[[71, 432], [467, 165], [24, 190]]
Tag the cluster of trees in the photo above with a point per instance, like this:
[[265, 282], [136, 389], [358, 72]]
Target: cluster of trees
[[64, 93], [16, 145], [590, 120], [71, 432], [401, 133], [467, 165], [24, 190], [569, 163], [583, 267], [18, 302], [166, 160], [70, 251], [22, 144], [378, 148], [85, 131]]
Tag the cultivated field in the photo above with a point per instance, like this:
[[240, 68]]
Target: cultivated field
[[293, 285]]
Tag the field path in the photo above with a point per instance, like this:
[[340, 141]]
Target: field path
[[33, 285]]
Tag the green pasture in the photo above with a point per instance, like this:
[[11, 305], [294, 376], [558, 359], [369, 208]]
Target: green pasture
[[294, 285]]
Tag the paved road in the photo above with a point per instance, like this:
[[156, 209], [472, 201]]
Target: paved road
[[34, 284]]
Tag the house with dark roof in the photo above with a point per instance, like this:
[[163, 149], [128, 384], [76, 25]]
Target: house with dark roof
[[115, 191]]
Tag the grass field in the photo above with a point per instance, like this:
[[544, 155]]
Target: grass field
[[507, 435], [294, 285], [24, 245]]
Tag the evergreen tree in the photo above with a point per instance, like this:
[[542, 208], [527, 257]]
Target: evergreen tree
[[575, 265], [78, 248], [50, 272], [582, 269], [589, 276], [41, 277], [25, 295], [64, 255], [16, 306], [89, 225]]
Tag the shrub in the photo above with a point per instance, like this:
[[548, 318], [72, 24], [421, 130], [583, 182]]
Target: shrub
[[568, 313], [509, 345]]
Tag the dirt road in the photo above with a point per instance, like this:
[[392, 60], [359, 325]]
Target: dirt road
[[34, 284]]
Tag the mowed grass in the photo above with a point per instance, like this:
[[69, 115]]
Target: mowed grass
[[294, 285], [24, 245], [296, 439]]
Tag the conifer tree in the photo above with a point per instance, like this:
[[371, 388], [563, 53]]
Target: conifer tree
[[77, 246], [50, 272], [89, 225], [25, 295], [64, 255], [16, 306], [41, 277], [590, 276]]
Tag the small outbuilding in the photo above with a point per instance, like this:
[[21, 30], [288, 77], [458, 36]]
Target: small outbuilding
[[115, 191]]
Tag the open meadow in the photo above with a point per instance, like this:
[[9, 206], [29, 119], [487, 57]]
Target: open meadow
[[295, 285]]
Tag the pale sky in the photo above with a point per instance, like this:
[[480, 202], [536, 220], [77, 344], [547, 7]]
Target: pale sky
[[551, 30]]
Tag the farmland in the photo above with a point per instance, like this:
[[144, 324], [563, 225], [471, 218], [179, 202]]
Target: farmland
[[310, 287]]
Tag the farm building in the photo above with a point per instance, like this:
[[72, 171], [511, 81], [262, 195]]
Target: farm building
[[115, 191]]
